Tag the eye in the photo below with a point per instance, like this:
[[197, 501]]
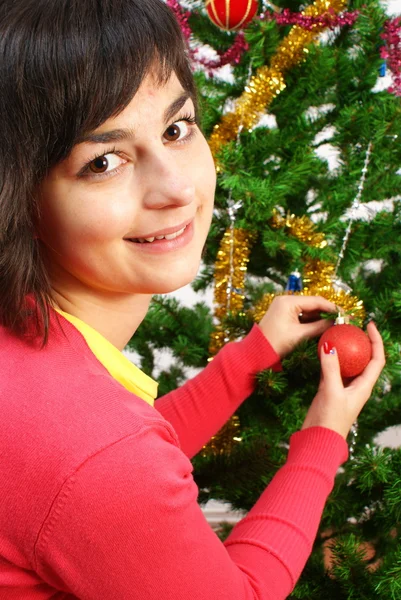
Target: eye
[[180, 130], [105, 163]]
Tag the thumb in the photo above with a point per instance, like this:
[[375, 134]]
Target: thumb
[[330, 367]]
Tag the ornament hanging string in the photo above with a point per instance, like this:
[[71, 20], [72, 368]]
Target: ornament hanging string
[[232, 211], [354, 206]]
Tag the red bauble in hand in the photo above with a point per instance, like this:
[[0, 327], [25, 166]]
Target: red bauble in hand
[[353, 347], [231, 14]]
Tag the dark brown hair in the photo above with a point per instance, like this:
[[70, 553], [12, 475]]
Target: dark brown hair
[[66, 66]]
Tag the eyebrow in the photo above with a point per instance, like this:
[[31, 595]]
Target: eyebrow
[[118, 135]]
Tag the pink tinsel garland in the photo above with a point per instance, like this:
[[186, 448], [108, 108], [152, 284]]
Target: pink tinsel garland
[[231, 56], [329, 19], [391, 52], [234, 53]]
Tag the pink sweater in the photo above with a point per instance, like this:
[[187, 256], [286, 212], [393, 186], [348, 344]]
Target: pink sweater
[[97, 496]]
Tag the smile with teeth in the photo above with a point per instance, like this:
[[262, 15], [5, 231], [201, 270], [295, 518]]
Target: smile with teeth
[[170, 236]]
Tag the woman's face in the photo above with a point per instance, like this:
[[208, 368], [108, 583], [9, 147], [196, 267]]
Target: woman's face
[[146, 173]]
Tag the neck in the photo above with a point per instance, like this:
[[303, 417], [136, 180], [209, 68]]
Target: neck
[[116, 317]]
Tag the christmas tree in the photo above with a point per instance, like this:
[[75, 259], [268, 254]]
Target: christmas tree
[[307, 143]]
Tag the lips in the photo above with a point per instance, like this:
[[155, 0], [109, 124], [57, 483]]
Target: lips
[[168, 233], [180, 239], [149, 240]]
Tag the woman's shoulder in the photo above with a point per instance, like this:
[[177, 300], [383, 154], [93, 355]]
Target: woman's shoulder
[[59, 405], [59, 408], [64, 386]]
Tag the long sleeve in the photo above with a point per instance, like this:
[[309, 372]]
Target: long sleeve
[[127, 525], [199, 408]]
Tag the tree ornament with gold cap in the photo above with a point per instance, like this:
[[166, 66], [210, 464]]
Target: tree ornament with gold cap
[[231, 15], [353, 346]]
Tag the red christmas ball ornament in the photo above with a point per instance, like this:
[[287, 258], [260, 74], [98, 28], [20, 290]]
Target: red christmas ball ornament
[[353, 347], [231, 14]]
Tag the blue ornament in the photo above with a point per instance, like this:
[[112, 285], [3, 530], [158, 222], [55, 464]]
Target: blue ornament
[[382, 69], [294, 283]]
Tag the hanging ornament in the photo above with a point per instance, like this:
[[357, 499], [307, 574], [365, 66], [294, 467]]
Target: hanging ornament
[[231, 15], [353, 346], [294, 283]]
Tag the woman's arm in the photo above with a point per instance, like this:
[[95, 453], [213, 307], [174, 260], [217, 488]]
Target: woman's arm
[[199, 408], [127, 525], [203, 405]]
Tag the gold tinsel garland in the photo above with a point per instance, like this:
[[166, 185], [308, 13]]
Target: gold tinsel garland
[[300, 227], [268, 81], [317, 274], [224, 440], [317, 280], [229, 275]]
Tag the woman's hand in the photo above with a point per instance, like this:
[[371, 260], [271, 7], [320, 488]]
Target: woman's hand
[[336, 406], [282, 326]]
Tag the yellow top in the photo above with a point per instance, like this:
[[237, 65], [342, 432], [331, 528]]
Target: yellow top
[[118, 365]]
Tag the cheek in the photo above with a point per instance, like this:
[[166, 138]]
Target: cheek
[[86, 218], [106, 218]]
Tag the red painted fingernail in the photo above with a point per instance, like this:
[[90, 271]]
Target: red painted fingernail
[[328, 348]]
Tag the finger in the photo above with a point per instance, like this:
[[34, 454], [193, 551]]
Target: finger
[[314, 303], [316, 328], [330, 368], [376, 339], [372, 372]]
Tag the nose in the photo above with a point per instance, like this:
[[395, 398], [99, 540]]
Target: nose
[[167, 181]]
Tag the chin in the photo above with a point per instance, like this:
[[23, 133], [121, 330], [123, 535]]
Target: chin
[[166, 285]]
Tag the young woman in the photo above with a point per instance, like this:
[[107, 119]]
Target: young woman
[[106, 198]]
